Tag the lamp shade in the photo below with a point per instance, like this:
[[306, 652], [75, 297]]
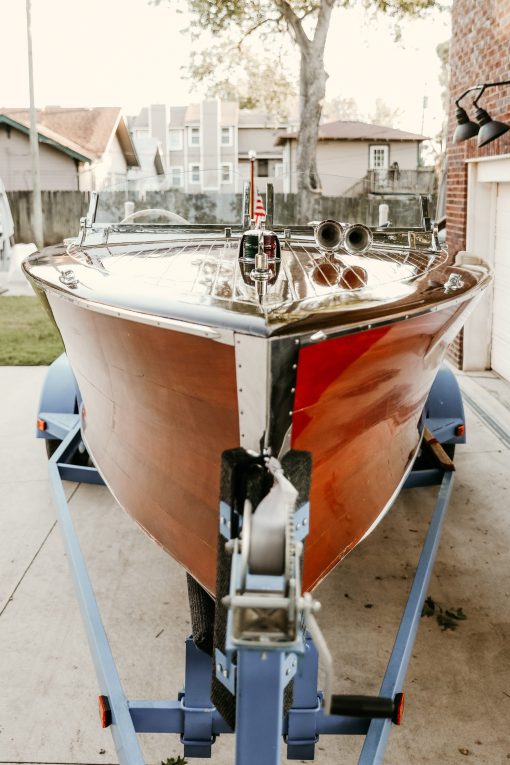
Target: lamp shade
[[489, 128], [465, 128]]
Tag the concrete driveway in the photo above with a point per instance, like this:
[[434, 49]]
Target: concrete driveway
[[458, 684]]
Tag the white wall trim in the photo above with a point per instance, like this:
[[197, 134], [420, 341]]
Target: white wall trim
[[495, 158], [484, 175]]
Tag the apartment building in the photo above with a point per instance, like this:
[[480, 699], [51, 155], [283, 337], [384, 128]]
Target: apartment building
[[206, 146]]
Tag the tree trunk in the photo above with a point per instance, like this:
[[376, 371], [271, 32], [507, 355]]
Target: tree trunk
[[312, 93], [313, 88]]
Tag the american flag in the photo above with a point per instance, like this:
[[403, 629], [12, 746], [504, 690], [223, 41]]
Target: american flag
[[260, 211]]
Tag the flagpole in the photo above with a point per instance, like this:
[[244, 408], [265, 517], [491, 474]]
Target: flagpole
[[37, 226], [252, 155]]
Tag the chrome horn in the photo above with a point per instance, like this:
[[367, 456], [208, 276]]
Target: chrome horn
[[329, 234], [357, 238]]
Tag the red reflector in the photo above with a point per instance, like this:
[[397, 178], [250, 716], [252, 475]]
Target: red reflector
[[460, 430], [398, 708], [105, 713], [41, 424]]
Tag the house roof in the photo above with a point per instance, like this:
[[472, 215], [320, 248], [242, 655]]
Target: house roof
[[257, 118], [150, 156], [86, 130], [230, 114], [45, 136], [347, 130], [140, 120]]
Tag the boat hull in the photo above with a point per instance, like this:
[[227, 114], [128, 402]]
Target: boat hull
[[359, 411], [160, 407]]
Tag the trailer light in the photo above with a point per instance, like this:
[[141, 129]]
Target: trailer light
[[41, 425], [398, 708], [105, 712], [460, 430]]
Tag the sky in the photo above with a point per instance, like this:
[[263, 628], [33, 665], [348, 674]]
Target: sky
[[129, 53]]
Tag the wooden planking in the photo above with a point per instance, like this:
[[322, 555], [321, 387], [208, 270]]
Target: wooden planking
[[161, 407], [359, 400]]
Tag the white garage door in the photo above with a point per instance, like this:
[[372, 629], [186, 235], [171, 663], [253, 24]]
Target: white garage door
[[500, 354]]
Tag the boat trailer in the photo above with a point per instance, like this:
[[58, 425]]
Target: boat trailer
[[271, 677]]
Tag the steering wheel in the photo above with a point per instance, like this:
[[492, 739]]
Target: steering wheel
[[172, 217]]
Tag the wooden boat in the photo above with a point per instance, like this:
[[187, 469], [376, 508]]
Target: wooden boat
[[183, 347]]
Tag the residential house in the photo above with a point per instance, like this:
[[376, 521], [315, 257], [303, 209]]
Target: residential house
[[59, 158], [348, 151], [258, 132], [149, 132], [206, 146], [478, 187], [80, 148]]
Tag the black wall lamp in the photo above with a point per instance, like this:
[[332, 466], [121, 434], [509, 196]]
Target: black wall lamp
[[485, 127]]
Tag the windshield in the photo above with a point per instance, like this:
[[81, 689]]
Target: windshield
[[215, 196]]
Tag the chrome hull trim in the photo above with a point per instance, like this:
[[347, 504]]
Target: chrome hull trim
[[219, 334], [192, 323], [253, 389]]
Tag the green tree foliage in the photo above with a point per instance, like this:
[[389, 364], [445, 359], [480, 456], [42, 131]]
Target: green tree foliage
[[240, 74], [341, 109], [384, 114], [348, 109], [306, 23]]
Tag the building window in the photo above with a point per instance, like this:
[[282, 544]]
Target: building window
[[194, 136], [226, 173], [141, 132], [379, 157], [194, 173], [175, 140], [226, 136], [176, 176], [263, 168]]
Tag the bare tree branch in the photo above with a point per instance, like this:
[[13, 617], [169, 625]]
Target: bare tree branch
[[254, 29], [294, 22]]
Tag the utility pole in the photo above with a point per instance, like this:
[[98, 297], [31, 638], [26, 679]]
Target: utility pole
[[37, 222]]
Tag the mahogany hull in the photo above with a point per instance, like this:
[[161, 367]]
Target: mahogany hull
[[358, 409], [161, 406]]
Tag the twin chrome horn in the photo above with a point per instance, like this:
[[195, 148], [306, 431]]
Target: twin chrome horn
[[331, 235]]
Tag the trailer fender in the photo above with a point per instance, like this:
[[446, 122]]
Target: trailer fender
[[60, 398], [444, 410]]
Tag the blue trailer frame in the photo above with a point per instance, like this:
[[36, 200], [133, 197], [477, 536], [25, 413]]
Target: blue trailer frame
[[261, 726]]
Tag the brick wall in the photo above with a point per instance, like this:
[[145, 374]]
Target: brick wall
[[479, 52]]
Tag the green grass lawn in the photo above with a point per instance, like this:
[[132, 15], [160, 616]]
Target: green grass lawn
[[27, 336]]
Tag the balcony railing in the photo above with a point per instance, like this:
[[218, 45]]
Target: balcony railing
[[395, 181]]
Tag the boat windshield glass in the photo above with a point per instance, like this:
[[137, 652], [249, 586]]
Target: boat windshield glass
[[215, 196]]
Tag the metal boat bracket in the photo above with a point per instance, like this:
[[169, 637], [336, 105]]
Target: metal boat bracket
[[225, 671]]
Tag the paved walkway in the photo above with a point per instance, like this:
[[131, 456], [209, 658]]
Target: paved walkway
[[458, 684]]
